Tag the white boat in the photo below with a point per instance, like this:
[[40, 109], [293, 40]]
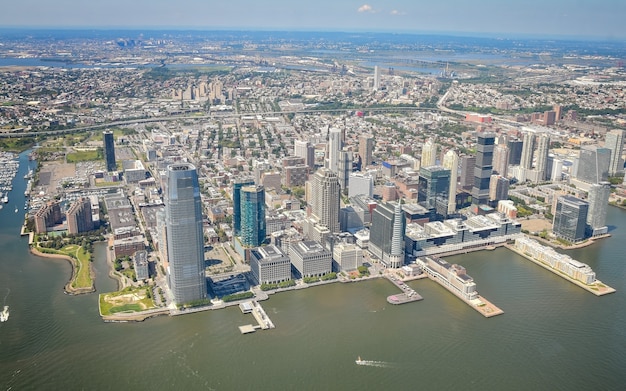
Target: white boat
[[5, 199], [15, 210], [4, 315], [359, 361]]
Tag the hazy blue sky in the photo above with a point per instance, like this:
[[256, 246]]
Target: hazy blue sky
[[593, 18]]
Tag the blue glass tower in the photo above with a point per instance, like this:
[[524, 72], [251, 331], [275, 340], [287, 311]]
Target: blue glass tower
[[237, 203], [252, 216]]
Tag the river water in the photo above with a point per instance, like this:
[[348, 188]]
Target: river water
[[552, 336]]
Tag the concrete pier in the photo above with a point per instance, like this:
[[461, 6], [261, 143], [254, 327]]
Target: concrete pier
[[264, 322], [408, 295]]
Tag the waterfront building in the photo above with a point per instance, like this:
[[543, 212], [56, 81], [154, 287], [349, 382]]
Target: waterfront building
[[561, 262], [109, 150], [429, 154], [593, 164], [483, 168], [140, 264], [185, 239], [310, 259], [570, 218], [269, 265], [325, 199], [451, 162], [347, 256], [237, 185], [453, 277], [387, 233], [78, 217], [48, 216], [598, 197], [614, 141], [366, 149], [501, 160], [253, 225]]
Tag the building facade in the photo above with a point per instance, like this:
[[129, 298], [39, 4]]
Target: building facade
[[109, 150], [269, 265], [483, 168], [253, 225], [570, 218]]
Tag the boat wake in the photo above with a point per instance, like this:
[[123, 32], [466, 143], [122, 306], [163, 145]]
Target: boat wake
[[371, 363]]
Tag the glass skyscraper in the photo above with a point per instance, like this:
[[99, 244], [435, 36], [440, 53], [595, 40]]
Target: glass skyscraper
[[109, 150], [253, 228], [570, 218], [185, 239], [483, 168], [237, 203]]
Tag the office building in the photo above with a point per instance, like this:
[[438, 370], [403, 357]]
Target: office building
[[598, 198], [310, 259], [366, 149], [109, 150], [305, 150], [615, 142], [501, 160], [269, 265], [344, 169], [466, 181], [451, 162], [140, 263], [515, 151], [237, 203], [376, 78], [387, 234], [360, 184], [541, 159], [570, 218], [253, 226], [347, 256], [78, 217], [333, 147], [593, 164], [498, 189], [325, 199], [434, 184], [483, 168], [185, 239]]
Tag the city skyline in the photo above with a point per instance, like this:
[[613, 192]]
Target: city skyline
[[557, 18]]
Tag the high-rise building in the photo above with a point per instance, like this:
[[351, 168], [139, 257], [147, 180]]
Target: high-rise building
[[387, 234], [498, 189], [467, 172], [344, 169], [501, 159], [451, 162], [429, 154], [434, 185], [366, 149], [79, 217], [237, 203], [360, 183], [483, 168], [570, 218], [598, 207], [543, 147], [185, 239], [593, 164], [515, 151], [615, 142], [48, 216], [325, 199], [332, 149], [305, 150], [528, 146], [376, 78], [253, 228], [109, 150]]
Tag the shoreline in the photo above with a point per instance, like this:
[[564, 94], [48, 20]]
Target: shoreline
[[68, 286]]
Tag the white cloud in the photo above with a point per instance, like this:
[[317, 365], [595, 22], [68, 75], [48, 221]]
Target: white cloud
[[396, 12], [365, 8]]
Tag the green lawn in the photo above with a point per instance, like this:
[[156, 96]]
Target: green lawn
[[131, 299], [84, 156], [82, 278]]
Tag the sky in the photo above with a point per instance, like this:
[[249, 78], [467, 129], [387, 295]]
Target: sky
[[600, 19]]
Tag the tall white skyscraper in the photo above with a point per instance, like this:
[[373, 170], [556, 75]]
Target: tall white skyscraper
[[528, 147], [360, 183], [429, 154], [543, 147], [333, 147], [396, 257], [376, 78], [598, 207], [451, 162], [615, 142], [325, 198], [185, 238], [501, 159]]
